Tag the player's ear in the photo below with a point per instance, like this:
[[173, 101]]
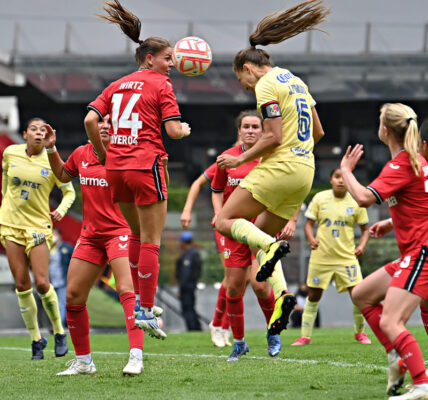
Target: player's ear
[[149, 60]]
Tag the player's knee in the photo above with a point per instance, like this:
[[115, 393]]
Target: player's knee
[[42, 286], [385, 324]]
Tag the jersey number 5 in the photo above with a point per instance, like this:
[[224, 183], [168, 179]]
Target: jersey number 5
[[304, 120], [128, 119]]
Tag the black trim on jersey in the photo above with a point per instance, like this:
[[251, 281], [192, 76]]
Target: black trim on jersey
[[268, 112], [208, 179], [216, 190], [97, 111], [157, 178], [379, 199], [243, 148], [172, 118], [416, 270], [68, 173]]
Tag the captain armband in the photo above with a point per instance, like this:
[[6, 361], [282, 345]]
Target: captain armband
[[271, 110]]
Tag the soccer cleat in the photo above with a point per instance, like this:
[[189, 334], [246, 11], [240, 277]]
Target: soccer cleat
[[301, 341], [226, 335], [362, 338], [217, 336], [281, 313], [276, 251], [239, 349], [157, 311], [37, 348], [61, 348], [417, 392], [150, 325], [274, 344], [396, 372], [78, 367], [134, 367]]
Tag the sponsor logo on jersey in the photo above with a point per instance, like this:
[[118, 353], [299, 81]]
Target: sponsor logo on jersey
[[44, 172], [16, 181], [299, 151], [87, 181], [393, 166], [284, 78], [392, 201], [24, 194], [85, 164], [123, 246], [123, 139], [13, 166], [233, 181]]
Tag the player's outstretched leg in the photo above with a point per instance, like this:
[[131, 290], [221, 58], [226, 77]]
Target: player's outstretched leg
[[280, 317], [150, 325], [277, 250]]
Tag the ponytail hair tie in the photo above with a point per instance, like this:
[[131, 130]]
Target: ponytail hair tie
[[410, 119]]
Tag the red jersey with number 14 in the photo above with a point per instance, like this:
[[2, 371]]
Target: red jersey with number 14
[[407, 197], [138, 104], [101, 217], [227, 180]]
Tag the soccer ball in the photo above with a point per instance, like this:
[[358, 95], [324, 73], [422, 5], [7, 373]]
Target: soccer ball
[[192, 56]]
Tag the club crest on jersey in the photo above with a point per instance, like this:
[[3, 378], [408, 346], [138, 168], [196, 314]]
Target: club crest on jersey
[[85, 164], [44, 172], [316, 280], [350, 211], [327, 222], [16, 181], [226, 253]]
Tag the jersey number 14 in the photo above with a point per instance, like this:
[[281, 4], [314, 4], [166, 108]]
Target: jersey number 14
[[128, 119]]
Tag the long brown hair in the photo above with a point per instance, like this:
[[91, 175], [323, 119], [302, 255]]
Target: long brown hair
[[131, 27], [280, 26], [402, 122]]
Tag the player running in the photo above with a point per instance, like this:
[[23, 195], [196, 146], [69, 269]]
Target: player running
[[138, 104], [334, 255], [402, 284], [275, 189], [26, 230]]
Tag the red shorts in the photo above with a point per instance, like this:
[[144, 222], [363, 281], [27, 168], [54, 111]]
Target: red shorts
[[236, 254], [410, 272], [99, 251], [141, 187], [219, 241]]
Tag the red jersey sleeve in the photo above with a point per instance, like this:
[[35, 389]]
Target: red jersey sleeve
[[395, 175], [101, 104], [168, 102], [71, 165], [219, 180], [210, 172]]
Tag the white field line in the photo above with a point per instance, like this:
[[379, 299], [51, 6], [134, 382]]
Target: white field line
[[286, 360]]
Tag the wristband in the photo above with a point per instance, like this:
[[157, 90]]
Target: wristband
[[51, 150], [390, 220]]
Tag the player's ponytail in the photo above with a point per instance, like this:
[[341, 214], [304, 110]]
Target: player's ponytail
[[131, 27], [280, 26], [401, 120]]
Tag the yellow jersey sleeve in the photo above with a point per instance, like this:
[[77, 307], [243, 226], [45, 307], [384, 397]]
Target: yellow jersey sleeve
[[4, 165], [312, 210], [362, 217], [68, 196]]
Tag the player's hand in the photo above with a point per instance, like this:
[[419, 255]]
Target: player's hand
[[314, 243], [359, 251], [213, 221], [185, 128], [50, 136], [351, 157], [288, 230], [56, 216], [227, 161], [186, 219], [380, 228], [102, 157]]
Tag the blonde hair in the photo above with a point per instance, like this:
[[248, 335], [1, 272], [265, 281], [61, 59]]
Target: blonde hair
[[280, 26], [402, 122]]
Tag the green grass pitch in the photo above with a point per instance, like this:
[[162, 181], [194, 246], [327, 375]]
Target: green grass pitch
[[187, 366]]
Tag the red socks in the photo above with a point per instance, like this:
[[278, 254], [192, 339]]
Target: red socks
[[235, 312], [267, 306], [220, 307], [409, 351], [135, 335], [372, 315], [148, 272], [134, 254], [78, 325]]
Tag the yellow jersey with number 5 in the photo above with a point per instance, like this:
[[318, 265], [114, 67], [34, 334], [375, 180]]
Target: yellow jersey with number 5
[[281, 94]]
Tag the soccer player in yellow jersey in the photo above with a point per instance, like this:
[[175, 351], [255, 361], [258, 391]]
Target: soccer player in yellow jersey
[[275, 189], [26, 230], [334, 255]]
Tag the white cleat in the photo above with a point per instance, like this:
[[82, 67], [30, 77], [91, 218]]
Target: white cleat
[[77, 367], [226, 336], [150, 325], [417, 392], [217, 336], [134, 367], [157, 311], [396, 373]]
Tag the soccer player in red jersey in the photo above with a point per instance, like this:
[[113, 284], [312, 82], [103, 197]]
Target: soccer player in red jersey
[[403, 284], [138, 104], [104, 237]]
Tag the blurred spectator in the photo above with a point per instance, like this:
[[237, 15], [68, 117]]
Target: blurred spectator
[[296, 315], [59, 260], [188, 271]]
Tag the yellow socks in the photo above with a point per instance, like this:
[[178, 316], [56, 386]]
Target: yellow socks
[[246, 232], [28, 308], [277, 280], [50, 304], [358, 319], [308, 318]]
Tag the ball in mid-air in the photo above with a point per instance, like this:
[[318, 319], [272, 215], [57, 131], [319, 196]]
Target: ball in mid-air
[[192, 56]]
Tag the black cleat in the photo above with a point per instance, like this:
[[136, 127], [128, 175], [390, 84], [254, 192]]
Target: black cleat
[[276, 251], [281, 314], [37, 348]]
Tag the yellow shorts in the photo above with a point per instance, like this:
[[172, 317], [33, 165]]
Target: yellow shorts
[[25, 237], [345, 276], [280, 186]]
